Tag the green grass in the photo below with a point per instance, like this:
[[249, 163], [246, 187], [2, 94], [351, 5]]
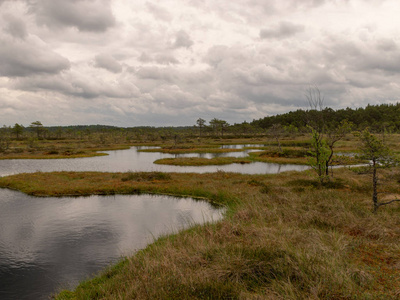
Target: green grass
[[284, 237]]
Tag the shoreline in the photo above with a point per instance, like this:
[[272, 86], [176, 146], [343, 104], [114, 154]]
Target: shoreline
[[275, 225]]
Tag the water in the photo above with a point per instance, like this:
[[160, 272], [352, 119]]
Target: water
[[48, 244], [242, 146], [51, 243], [133, 160]]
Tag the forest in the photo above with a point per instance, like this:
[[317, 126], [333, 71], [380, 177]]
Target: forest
[[378, 118]]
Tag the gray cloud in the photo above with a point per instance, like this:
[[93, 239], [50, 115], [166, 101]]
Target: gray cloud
[[78, 85], [85, 15], [159, 12], [182, 40], [166, 59], [162, 59], [362, 56], [144, 57], [156, 73], [28, 57], [386, 45], [15, 26], [107, 62], [306, 3], [217, 54], [282, 30]]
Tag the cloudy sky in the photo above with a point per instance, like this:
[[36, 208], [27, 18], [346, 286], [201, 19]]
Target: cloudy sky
[[132, 63]]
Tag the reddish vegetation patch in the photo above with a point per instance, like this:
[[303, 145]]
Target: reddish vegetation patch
[[383, 264]]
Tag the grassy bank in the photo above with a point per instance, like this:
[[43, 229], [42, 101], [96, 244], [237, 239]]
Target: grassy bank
[[199, 161], [267, 156], [59, 149], [204, 149], [284, 237]]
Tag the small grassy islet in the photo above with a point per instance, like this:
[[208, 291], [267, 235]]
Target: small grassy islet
[[199, 161]]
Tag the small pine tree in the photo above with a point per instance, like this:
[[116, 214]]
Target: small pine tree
[[319, 156], [380, 156]]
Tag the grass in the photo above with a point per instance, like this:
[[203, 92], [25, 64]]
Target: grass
[[190, 150], [198, 161], [274, 157], [58, 149], [145, 176], [284, 237]]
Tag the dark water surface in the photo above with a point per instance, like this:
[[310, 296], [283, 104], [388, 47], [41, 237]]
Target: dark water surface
[[51, 243]]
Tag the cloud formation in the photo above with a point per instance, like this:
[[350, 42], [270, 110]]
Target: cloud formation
[[85, 15], [282, 30], [30, 56], [107, 62], [148, 63]]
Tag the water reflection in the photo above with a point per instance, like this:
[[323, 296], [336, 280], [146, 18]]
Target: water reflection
[[132, 160], [52, 243], [242, 146]]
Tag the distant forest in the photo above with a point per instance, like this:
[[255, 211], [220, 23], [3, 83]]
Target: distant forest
[[383, 117], [379, 118]]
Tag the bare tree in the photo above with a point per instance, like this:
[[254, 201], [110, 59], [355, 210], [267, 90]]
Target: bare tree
[[316, 99], [333, 136], [277, 130]]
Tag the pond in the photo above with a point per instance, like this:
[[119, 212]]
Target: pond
[[134, 160], [47, 244]]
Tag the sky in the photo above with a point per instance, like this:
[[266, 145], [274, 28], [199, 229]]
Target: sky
[[168, 63]]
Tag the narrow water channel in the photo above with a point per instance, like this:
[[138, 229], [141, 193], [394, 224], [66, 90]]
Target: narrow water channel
[[47, 244], [134, 160]]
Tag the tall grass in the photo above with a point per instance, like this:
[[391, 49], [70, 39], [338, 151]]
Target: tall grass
[[284, 237]]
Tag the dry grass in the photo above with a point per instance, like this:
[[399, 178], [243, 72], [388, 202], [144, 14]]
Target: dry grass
[[44, 149], [199, 161], [284, 237], [191, 149]]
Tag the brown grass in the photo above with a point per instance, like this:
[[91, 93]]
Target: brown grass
[[284, 237], [199, 161], [44, 149]]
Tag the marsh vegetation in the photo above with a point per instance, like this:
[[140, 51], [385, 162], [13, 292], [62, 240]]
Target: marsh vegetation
[[294, 235], [284, 236]]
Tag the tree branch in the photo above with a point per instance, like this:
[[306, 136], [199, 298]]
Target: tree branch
[[386, 203]]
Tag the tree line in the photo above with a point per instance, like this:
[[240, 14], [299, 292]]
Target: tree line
[[379, 118]]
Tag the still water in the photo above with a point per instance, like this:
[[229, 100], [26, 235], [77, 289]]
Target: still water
[[47, 244], [51, 243], [134, 160]]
